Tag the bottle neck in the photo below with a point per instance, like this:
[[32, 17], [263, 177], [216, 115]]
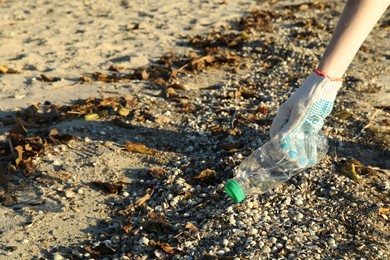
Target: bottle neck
[[244, 184]]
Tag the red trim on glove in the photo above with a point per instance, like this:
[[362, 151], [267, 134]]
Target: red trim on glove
[[323, 74]]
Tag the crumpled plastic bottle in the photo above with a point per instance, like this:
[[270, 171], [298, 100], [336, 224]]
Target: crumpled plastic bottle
[[270, 166]]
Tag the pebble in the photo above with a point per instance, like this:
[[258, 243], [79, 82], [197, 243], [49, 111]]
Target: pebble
[[225, 242], [19, 96], [143, 241], [229, 209], [332, 243], [115, 240], [114, 225], [69, 194], [159, 254], [240, 223], [299, 202], [107, 242], [249, 204], [253, 231], [57, 256], [221, 252], [165, 205], [232, 220], [279, 246], [273, 240], [266, 249], [298, 216]]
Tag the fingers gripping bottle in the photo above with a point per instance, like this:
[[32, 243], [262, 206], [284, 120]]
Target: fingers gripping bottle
[[271, 165]]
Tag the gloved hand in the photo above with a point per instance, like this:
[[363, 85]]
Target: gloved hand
[[302, 116]]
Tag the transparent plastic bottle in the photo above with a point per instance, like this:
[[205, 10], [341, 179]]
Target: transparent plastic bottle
[[270, 166]]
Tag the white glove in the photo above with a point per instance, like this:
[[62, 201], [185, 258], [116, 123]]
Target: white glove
[[303, 114]]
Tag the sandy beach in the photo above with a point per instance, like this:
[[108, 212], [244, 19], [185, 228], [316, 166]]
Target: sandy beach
[[67, 40], [122, 120]]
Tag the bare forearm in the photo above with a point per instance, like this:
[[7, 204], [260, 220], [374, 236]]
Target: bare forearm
[[355, 23]]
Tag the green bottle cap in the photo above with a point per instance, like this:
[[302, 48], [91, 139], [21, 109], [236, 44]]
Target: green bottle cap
[[234, 190]]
